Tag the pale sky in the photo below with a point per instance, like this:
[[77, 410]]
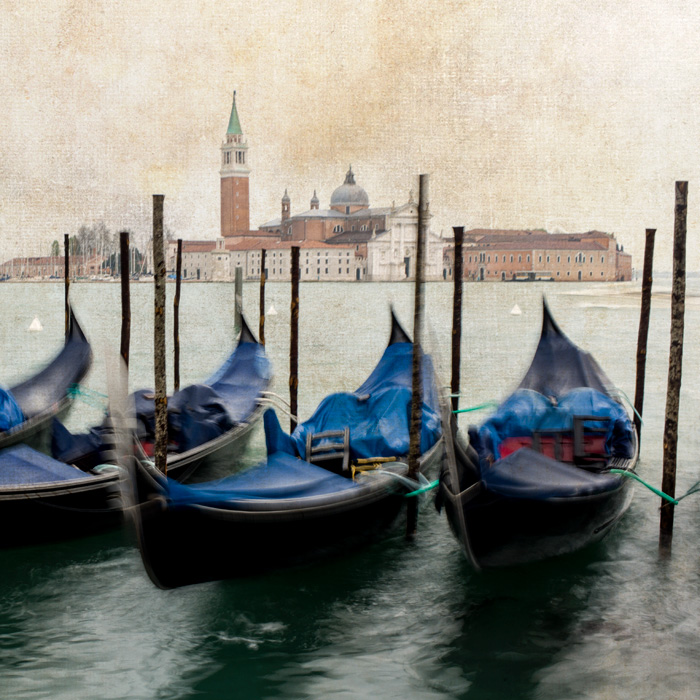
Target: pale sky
[[551, 114]]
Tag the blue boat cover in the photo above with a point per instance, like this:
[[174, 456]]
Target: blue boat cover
[[280, 476], [21, 465], [529, 474], [379, 412], [201, 412], [527, 411], [10, 412]]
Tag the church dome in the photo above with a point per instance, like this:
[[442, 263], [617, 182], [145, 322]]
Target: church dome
[[349, 194]]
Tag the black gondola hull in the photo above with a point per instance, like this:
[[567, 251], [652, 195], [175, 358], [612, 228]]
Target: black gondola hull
[[198, 544], [50, 512], [506, 531]]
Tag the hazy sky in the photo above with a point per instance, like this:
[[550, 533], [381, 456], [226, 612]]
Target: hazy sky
[[548, 114]]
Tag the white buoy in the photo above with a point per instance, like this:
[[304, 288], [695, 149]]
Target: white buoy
[[36, 325], [515, 311], [271, 311]]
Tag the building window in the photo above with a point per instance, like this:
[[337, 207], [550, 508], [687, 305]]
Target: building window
[[548, 258], [602, 259], [318, 270], [558, 258], [511, 258], [540, 260], [326, 270], [528, 258], [337, 229], [520, 258]]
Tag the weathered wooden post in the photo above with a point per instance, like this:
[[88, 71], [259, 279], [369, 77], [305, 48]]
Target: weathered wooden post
[[675, 362], [238, 286], [176, 317], [161, 399], [294, 341], [457, 272], [126, 300], [261, 333], [66, 278], [416, 379], [647, 279]]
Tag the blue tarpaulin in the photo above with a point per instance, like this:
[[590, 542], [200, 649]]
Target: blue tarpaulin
[[20, 465], [379, 412], [10, 413], [527, 411]]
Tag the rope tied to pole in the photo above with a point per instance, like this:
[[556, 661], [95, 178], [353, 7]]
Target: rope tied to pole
[[631, 475]]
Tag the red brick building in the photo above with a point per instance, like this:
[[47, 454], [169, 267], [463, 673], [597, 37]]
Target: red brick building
[[517, 255]]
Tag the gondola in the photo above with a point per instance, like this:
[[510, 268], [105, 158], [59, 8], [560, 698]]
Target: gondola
[[209, 424], [42, 498], [540, 477], [47, 395], [338, 480]]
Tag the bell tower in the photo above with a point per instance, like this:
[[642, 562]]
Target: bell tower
[[235, 206]]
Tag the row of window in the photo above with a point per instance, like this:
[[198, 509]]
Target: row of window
[[580, 258]]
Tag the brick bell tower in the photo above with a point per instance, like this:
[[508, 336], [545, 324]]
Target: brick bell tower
[[235, 207]]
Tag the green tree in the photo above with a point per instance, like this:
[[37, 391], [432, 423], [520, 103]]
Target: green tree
[[55, 249]]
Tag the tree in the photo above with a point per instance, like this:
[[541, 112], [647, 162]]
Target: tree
[[55, 249]]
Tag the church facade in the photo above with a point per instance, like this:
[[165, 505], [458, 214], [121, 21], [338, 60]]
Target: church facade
[[348, 241]]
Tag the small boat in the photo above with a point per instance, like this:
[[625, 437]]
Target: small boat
[[209, 424], [41, 498], [47, 395], [541, 477], [338, 480]]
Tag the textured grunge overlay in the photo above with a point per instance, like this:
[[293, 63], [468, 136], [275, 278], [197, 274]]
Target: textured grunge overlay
[[560, 115]]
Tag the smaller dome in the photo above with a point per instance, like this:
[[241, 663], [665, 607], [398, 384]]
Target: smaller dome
[[285, 198], [314, 199], [349, 194]]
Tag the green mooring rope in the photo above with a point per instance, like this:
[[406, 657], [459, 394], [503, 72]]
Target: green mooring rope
[[89, 396], [423, 489], [488, 404], [693, 489]]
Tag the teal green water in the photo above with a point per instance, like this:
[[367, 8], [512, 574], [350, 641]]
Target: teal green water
[[397, 619]]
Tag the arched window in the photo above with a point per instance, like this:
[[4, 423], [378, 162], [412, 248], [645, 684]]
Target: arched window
[[337, 229]]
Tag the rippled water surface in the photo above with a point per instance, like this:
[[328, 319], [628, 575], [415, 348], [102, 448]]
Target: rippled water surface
[[405, 620]]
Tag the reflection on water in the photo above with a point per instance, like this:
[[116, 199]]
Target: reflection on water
[[397, 619]]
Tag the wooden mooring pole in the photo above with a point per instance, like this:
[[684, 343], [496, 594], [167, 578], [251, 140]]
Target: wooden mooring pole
[[294, 341], [126, 299], [647, 279], [261, 333], [66, 278], [176, 317], [161, 399], [416, 379], [238, 284], [457, 273], [675, 362]]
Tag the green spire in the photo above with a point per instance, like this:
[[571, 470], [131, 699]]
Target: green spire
[[234, 126]]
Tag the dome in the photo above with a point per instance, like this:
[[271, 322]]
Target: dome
[[349, 194]]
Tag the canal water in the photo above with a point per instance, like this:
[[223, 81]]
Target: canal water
[[81, 619]]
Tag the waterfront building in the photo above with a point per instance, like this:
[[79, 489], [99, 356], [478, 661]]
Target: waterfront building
[[51, 267], [531, 255], [384, 236]]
